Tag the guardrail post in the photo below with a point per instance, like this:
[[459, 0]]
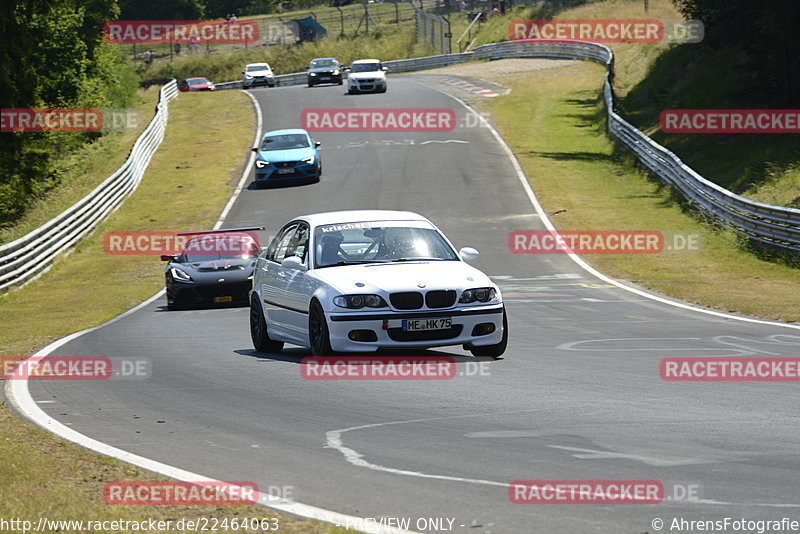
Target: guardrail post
[[341, 21], [29, 256]]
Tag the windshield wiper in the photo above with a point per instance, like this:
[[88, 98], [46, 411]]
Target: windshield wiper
[[353, 262], [417, 259]]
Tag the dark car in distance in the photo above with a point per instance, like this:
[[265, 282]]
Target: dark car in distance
[[214, 267], [324, 70]]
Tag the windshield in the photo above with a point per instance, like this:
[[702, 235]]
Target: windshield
[[256, 68], [285, 142], [365, 67], [320, 63], [219, 247], [379, 242], [198, 81]]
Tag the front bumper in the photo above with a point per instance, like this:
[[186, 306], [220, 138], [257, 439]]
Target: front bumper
[[180, 294], [253, 82], [358, 87], [391, 335], [271, 173], [324, 78]]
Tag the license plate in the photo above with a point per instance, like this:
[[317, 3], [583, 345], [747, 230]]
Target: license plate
[[415, 325], [223, 299], [285, 171]]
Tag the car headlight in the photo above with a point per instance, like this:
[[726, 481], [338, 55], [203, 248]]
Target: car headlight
[[335, 73], [356, 302], [309, 159], [180, 274], [260, 163], [312, 74], [479, 294], [247, 76]]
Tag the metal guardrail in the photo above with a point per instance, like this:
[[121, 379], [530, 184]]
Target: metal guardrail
[[772, 225], [30, 255]]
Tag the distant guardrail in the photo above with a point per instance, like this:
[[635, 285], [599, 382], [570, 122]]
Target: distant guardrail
[[30, 255], [772, 225]]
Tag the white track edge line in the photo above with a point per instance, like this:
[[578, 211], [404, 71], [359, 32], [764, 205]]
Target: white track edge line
[[580, 261], [20, 397]]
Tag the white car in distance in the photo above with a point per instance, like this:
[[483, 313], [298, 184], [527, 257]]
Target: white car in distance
[[357, 281], [366, 76], [257, 74]]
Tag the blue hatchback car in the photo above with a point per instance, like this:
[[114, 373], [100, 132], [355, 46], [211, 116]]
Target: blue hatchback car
[[287, 155]]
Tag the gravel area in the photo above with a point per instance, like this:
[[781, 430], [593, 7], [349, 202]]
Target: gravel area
[[501, 67]]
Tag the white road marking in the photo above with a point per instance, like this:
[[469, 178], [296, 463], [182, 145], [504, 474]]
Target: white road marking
[[19, 395], [334, 441], [523, 180], [543, 277]]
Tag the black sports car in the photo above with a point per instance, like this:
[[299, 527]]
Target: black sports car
[[215, 267], [324, 70]]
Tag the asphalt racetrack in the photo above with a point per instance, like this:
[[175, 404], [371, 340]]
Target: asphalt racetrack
[[577, 396]]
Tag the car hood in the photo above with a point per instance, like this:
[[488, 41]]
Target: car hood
[[257, 73], [292, 154], [403, 276], [367, 75]]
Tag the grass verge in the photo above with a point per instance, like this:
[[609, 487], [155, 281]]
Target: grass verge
[[189, 179], [85, 169], [388, 42], [585, 184], [653, 77]]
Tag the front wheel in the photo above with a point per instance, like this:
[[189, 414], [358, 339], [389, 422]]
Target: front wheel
[[318, 335], [258, 329], [494, 351]]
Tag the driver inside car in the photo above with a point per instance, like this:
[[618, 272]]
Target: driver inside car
[[400, 243], [329, 248]]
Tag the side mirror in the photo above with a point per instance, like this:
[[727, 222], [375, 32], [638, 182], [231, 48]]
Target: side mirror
[[255, 149], [468, 253], [242, 72], [317, 144], [294, 263], [170, 257]]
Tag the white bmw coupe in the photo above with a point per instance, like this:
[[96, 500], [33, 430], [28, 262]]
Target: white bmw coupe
[[357, 281]]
